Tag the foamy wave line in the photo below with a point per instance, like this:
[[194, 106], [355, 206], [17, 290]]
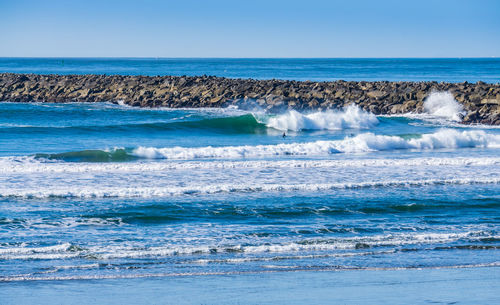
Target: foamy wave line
[[186, 274], [61, 251], [23, 165], [66, 250], [283, 257], [27, 250], [147, 192], [367, 142], [276, 270]]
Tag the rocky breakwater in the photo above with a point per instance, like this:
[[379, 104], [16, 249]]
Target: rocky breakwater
[[481, 101]]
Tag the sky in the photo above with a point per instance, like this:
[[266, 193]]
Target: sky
[[252, 28]]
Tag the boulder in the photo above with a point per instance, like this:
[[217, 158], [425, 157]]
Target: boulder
[[490, 101], [481, 100]]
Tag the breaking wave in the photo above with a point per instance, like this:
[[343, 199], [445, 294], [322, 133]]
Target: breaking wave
[[443, 104], [351, 118], [367, 142], [67, 250], [362, 143]]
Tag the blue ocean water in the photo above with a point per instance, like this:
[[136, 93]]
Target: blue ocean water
[[364, 69], [136, 197]]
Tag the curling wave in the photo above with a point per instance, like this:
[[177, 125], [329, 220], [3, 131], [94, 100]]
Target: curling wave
[[362, 143], [367, 142], [238, 124]]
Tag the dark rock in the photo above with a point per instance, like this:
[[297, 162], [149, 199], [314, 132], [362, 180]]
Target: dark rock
[[481, 100]]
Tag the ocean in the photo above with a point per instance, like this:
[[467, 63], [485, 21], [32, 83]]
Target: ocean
[[313, 69], [232, 206]]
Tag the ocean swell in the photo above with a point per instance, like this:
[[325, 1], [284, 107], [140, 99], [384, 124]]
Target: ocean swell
[[362, 143]]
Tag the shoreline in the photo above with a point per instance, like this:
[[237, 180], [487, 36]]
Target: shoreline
[[416, 286], [480, 100]]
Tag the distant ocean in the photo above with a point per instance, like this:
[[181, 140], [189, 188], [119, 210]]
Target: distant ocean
[[391, 69], [109, 198]]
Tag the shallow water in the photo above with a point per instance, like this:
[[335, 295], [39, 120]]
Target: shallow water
[[104, 191], [408, 286]]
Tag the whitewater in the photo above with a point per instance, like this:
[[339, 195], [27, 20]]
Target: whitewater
[[108, 191]]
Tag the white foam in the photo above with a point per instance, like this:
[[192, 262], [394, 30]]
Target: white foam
[[69, 267], [60, 251], [307, 245], [21, 278], [367, 142], [29, 165], [443, 104], [371, 241], [82, 191], [351, 118], [10, 125], [284, 257], [30, 250]]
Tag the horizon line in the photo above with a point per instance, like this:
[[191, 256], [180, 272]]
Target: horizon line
[[179, 57]]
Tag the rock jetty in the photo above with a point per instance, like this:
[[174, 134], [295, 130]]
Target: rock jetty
[[480, 100]]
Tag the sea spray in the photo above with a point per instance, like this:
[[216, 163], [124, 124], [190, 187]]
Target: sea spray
[[352, 117], [443, 104]]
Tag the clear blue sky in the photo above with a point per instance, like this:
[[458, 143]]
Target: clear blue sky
[[252, 28]]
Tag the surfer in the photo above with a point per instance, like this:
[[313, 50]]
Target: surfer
[[284, 135]]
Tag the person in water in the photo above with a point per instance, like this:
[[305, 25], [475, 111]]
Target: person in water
[[284, 135]]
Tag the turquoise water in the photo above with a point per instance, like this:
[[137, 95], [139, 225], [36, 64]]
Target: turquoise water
[[124, 201]]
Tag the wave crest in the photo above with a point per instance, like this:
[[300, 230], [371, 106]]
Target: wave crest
[[351, 118], [367, 142]]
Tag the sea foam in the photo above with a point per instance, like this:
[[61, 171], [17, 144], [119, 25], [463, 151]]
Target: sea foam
[[165, 191], [26, 165], [367, 142], [307, 245], [352, 117], [443, 104]]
